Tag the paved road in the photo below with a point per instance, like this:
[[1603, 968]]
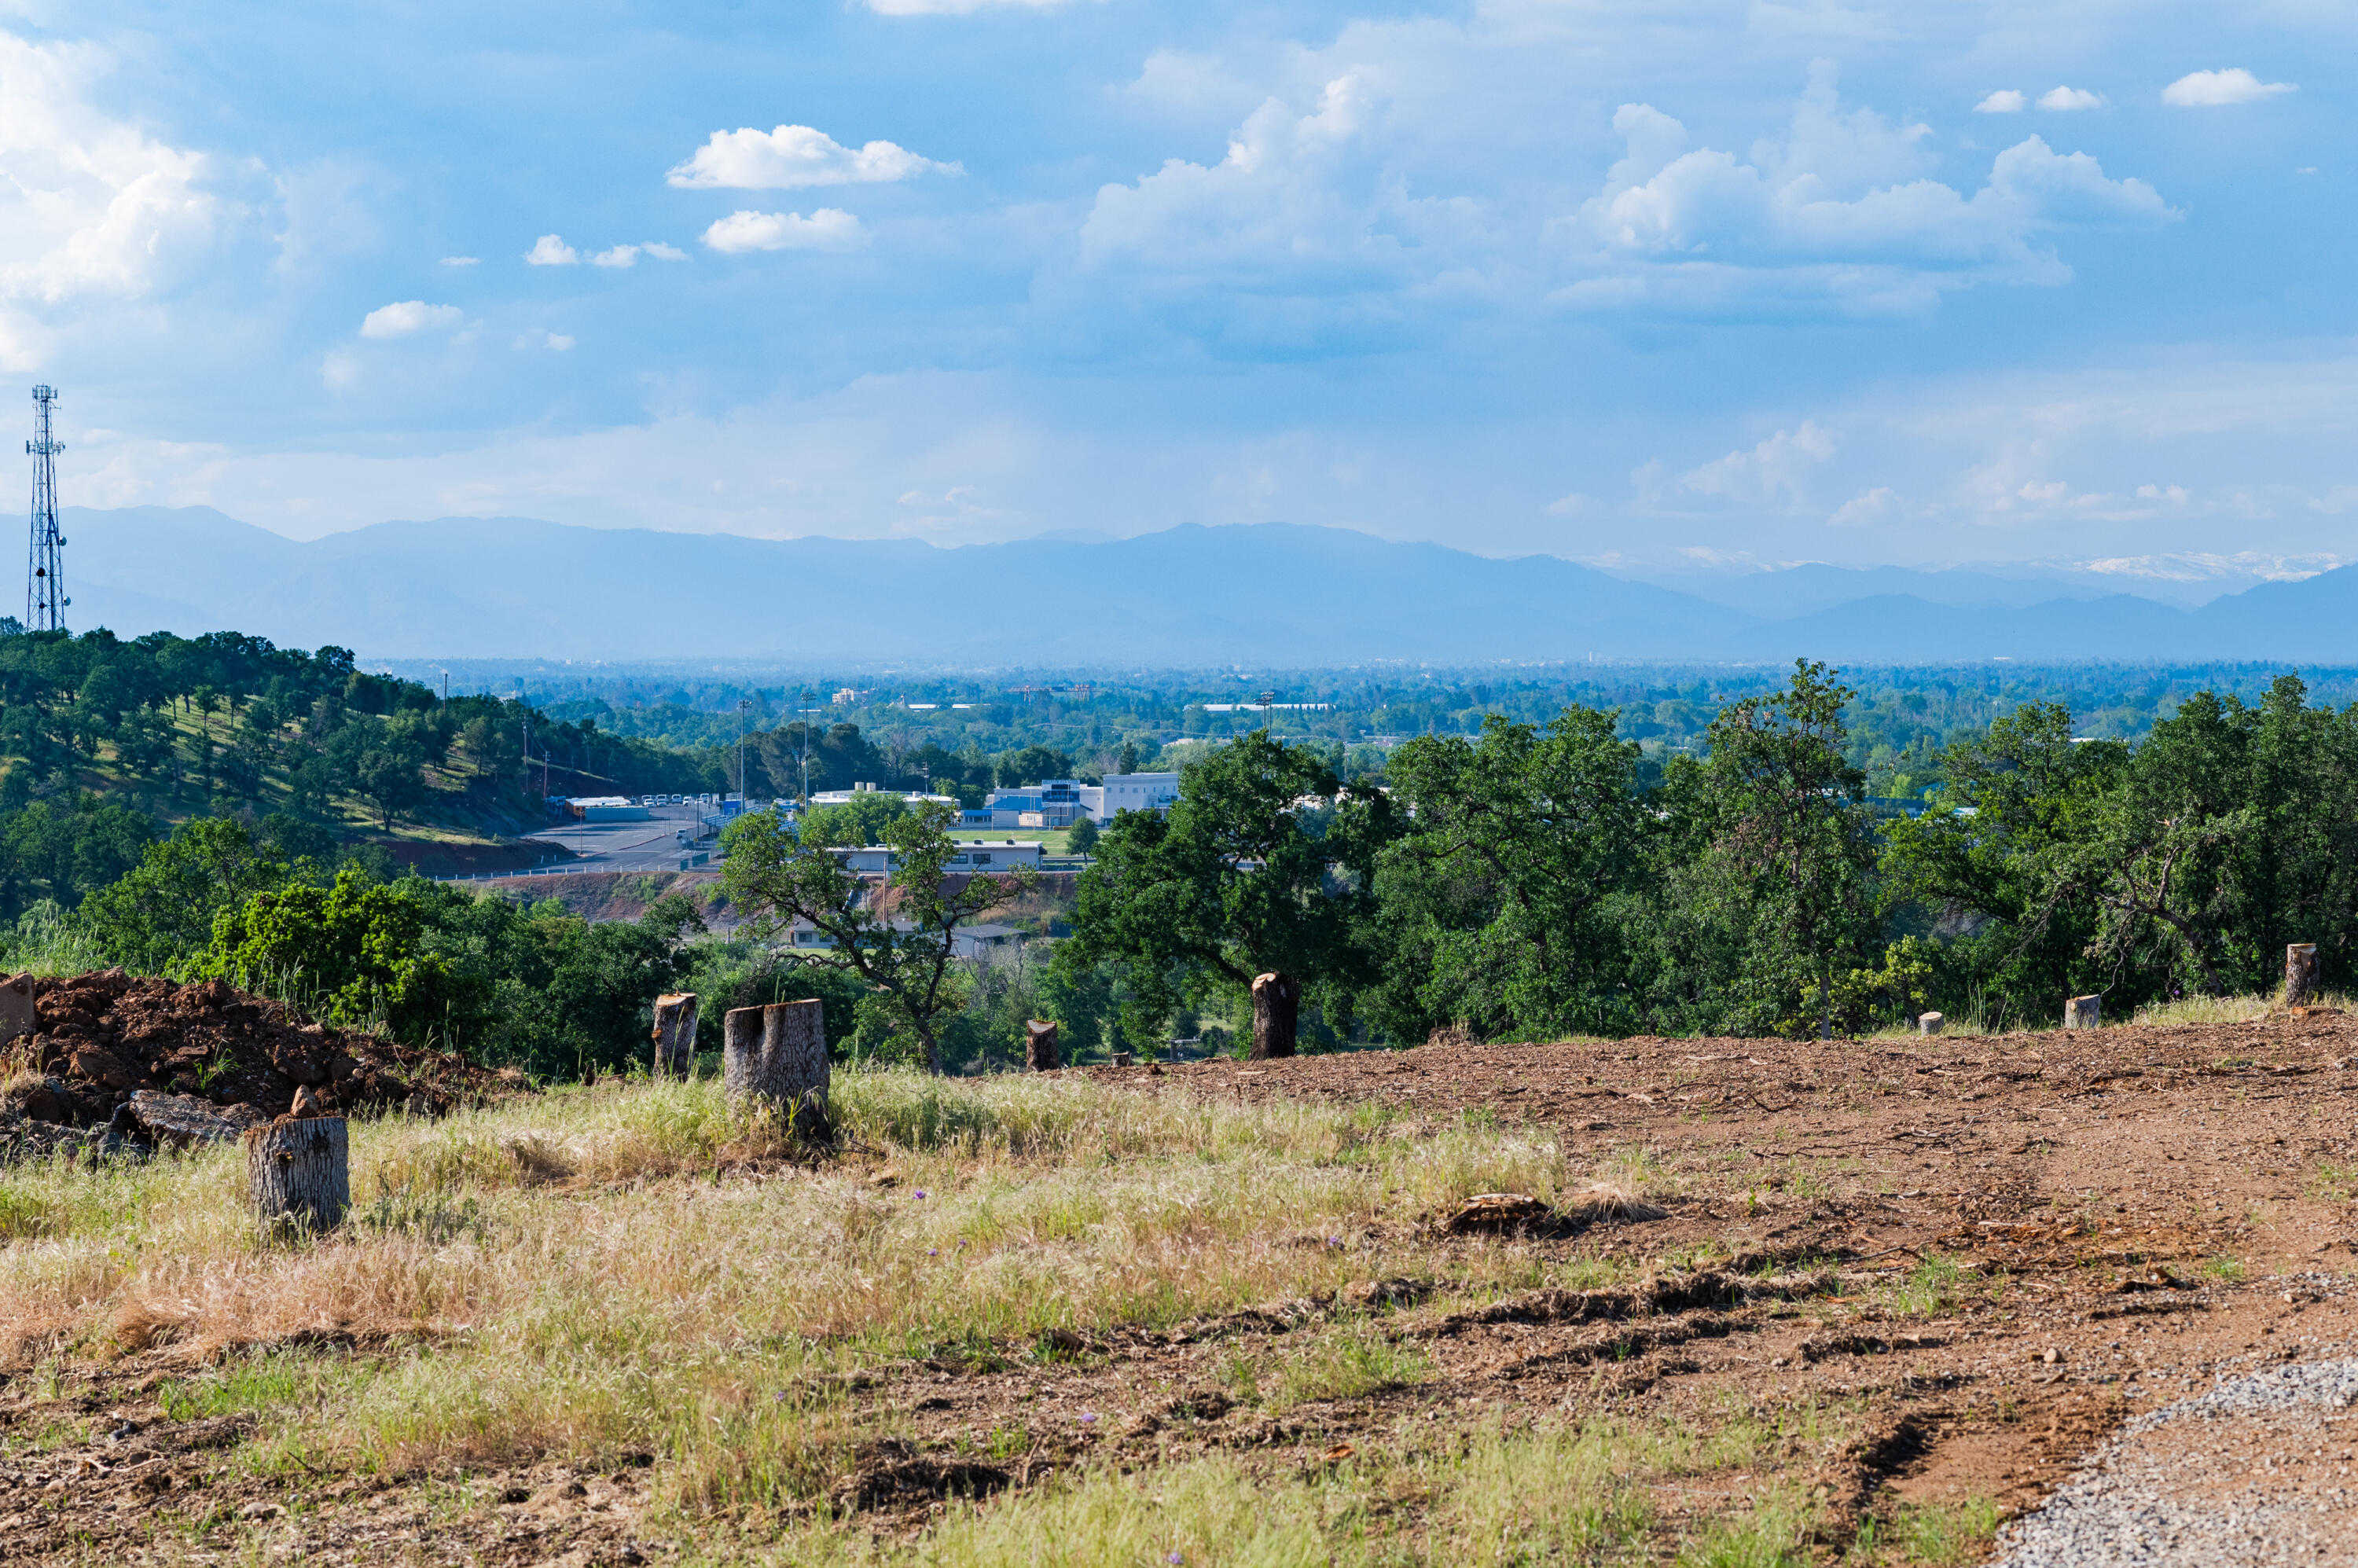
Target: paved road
[[649, 846]]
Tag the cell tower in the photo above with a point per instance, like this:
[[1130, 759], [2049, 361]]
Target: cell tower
[[45, 572]]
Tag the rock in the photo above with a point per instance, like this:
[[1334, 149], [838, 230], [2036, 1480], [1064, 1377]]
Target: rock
[[307, 1103], [92, 1065], [182, 1121]]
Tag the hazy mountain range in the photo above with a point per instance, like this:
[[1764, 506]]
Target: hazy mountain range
[[1272, 594]]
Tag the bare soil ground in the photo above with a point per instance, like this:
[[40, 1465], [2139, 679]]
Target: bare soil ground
[[1967, 1259]]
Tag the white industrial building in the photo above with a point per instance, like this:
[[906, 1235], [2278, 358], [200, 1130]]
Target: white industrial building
[[845, 797], [1136, 792], [1060, 803]]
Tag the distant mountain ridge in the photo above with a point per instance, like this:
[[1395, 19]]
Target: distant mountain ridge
[[1265, 594]]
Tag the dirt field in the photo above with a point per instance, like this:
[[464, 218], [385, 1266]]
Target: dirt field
[[1887, 1294]]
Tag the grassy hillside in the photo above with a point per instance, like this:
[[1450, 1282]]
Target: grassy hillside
[[104, 743]]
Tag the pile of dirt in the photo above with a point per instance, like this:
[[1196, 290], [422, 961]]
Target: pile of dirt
[[103, 1046]]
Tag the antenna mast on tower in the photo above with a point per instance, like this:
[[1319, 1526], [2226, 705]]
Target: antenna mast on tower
[[45, 574]]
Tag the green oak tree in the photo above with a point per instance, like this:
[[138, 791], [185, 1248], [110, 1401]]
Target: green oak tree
[[898, 934], [1263, 867]]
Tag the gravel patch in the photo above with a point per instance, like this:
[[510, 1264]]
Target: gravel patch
[[2257, 1471]]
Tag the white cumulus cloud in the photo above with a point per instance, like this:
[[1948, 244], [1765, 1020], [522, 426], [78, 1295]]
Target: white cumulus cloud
[[89, 206], [1777, 470], [662, 252], [1866, 509], [2066, 98], [791, 157], [408, 317], [2004, 101], [2220, 89], [1841, 209], [551, 250], [829, 229], [1294, 193], [461, 261], [619, 256]]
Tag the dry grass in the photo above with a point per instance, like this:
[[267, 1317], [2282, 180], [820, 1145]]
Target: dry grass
[[638, 1269], [1548, 1492], [2227, 1009], [569, 1276]]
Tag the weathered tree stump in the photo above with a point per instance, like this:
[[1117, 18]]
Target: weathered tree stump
[[16, 1015], [1276, 1006], [1040, 1052], [2083, 1012], [1930, 1023], [675, 1034], [778, 1054], [2300, 974], [299, 1170]]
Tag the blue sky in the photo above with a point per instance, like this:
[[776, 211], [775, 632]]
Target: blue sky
[[1646, 281]]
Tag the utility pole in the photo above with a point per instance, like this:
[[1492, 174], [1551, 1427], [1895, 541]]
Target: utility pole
[[45, 573], [806, 713], [744, 728]]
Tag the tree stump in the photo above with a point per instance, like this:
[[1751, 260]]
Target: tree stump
[[16, 1015], [2300, 974], [675, 1034], [299, 1170], [2083, 1012], [1930, 1023], [1040, 1052], [1276, 1005], [778, 1054]]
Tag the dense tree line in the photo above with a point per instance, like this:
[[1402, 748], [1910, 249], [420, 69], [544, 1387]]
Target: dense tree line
[[1540, 877], [532, 985], [1539, 881]]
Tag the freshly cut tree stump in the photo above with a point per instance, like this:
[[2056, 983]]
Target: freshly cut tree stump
[[2300, 974], [2083, 1012], [1276, 1005], [675, 1034], [778, 1054], [299, 1170], [1930, 1023], [1040, 1052]]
